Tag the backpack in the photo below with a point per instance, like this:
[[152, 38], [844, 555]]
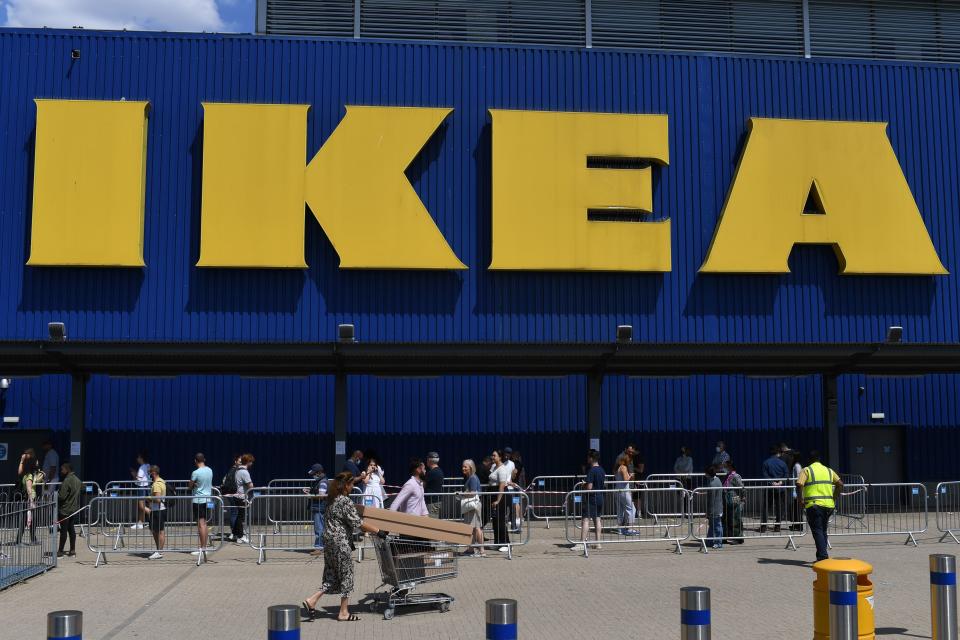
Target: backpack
[[228, 486]]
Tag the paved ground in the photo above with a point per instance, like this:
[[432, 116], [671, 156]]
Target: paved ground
[[759, 591]]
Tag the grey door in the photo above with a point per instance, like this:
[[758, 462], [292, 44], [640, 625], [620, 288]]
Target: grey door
[[876, 452]]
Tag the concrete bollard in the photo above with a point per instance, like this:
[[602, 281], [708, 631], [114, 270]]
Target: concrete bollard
[[283, 622], [694, 613], [843, 605], [65, 625], [501, 619], [943, 596]]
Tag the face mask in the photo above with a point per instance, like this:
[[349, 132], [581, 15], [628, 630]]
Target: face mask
[[718, 449]]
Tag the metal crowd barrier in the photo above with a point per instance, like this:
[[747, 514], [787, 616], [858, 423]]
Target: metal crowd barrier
[[754, 511], [688, 481], [35, 528], [518, 508], [645, 506], [265, 506], [9, 493], [671, 525], [948, 510], [182, 536], [547, 495], [881, 509]]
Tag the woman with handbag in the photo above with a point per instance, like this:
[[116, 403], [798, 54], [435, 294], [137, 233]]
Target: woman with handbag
[[470, 507]]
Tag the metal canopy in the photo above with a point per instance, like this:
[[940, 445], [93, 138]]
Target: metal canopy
[[491, 358]]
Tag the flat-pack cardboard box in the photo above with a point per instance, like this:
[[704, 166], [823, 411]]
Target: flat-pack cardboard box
[[406, 525]]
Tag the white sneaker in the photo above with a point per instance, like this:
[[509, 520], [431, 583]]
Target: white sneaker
[[596, 546], [243, 540], [194, 553], [156, 556], [504, 549], [578, 547], [139, 525]]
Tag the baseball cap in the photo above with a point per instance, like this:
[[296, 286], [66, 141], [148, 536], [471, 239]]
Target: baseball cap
[[433, 455], [507, 450], [316, 468]]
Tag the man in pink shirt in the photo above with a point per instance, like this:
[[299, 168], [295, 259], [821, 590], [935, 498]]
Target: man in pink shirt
[[410, 499]]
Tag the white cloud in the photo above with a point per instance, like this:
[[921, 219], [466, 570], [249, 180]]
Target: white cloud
[[152, 15]]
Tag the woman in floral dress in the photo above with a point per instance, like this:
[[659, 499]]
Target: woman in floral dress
[[342, 523]]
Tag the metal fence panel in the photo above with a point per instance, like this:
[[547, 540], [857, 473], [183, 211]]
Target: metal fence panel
[[27, 540], [948, 510], [881, 509], [749, 512]]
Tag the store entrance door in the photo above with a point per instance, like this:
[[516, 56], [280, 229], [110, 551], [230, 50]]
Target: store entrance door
[[876, 452]]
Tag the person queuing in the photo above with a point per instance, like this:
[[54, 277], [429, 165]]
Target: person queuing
[[318, 505], [518, 482], [733, 495], [29, 478], [818, 487], [714, 508], [239, 498], [796, 508], [627, 512], [157, 511], [201, 484], [410, 499], [721, 456], [51, 465], [684, 462], [433, 484], [228, 487], [343, 522], [500, 477], [375, 479], [141, 476], [593, 502], [776, 471], [68, 507], [471, 508], [353, 466]]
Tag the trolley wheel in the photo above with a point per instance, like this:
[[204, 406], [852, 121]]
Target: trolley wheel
[[444, 607], [388, 614]]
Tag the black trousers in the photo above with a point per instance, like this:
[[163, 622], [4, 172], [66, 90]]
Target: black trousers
[[817, 519], [772, 500], [67, 529], [237, 525], [501, 515]]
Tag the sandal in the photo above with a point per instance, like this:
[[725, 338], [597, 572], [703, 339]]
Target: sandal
[[311, 611], [351, 618]]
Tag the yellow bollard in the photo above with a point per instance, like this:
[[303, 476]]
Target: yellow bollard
[[821, 597]]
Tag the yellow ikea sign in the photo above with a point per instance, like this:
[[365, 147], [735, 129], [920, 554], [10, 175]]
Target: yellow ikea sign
[[544, 192]]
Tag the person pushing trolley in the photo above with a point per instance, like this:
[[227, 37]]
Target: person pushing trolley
[[817, 487]]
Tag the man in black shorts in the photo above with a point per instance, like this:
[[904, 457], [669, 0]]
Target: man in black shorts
[[157, 510], [201, 484]]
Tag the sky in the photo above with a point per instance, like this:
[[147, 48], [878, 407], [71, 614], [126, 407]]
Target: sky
[[150, 15]]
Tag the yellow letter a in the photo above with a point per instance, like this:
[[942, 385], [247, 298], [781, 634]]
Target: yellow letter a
[[863, 207]]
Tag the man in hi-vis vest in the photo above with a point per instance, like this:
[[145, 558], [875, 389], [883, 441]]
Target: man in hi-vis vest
[[817, 487]]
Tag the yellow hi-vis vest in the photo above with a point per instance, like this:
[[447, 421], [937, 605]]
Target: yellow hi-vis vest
[[818, 489]]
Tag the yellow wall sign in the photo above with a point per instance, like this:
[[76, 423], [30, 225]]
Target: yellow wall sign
[[559, 183]]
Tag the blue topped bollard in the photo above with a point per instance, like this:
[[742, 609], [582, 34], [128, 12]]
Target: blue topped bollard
[[694, 613], [65, 625], [283, 622], [501, 619], [943, 596]]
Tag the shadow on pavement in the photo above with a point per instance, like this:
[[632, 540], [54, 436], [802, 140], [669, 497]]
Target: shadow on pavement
[[896, 631], [785, 562]]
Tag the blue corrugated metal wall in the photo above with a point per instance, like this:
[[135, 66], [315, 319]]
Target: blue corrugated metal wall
[[708, 100]]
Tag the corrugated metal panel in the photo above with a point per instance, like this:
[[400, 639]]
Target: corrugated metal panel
[[708, 101], [559, 22], [328, 18], [927, 30], [741, 26]]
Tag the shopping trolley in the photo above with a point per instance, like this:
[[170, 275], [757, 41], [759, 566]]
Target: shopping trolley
[[404, 564]]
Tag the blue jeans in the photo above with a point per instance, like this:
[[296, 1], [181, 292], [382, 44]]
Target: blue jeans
[[715, 530], [318, 529], [817, 518]]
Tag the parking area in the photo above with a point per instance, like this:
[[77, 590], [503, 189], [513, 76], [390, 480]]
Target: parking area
[[759, 590]]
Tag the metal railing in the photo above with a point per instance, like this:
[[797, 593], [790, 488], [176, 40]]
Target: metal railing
[[547, 495], [753, 511], [881, 509], [89, 491], [948, 510], [180, 526], [298, 533], [515, 514], [673, 525], [27, 539]]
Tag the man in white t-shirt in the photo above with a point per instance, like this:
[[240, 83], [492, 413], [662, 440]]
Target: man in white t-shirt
[[51, 466], [142, 477]]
